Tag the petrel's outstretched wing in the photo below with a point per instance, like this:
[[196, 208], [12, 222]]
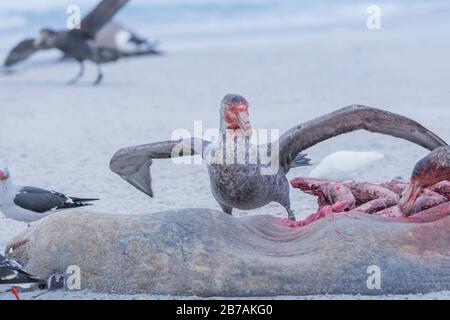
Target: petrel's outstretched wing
[[350, 119], [133, 163], [100, 15], [20, 52]]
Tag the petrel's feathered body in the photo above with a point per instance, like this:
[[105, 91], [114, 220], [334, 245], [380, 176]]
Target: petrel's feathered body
[[250, 185], [76, 43], [30, 204]]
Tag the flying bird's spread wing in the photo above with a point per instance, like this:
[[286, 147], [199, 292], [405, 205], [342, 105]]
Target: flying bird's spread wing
[[350, 119], [101, 14], [41, 201], [133, 163], [21, 52]]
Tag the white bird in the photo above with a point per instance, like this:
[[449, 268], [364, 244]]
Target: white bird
[[29, 204], [344, 165]]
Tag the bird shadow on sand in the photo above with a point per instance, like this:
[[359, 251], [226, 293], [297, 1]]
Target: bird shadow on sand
[[61, 83]]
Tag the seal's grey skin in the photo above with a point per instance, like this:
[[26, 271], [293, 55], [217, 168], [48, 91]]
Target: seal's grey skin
[[75, 43], [243, 186], [203, 252]]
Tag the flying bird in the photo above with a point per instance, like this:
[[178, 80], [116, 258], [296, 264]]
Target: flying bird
[[344, 165], [432, 169], [112, 35], [251, 185], [12, 276], [30, 204], [75, 43]]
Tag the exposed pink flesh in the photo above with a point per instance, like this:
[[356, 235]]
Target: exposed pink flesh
[[443, 188], [396, 186], [331, 210], [328, 193], [381, 200]]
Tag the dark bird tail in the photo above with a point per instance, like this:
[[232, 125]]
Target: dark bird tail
[[300, 161], [24, 277], [83, 199], [78, 202]]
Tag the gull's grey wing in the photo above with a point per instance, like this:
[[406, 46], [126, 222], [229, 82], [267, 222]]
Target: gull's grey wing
[[20, 52], [7, 274], [15, 276], [133, 164], [40, 200], [11, 272], [27, 189], [11, 275], [100, 15], [352, 118]]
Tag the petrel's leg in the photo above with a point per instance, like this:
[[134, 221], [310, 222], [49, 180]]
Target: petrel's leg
[[291, 215], [79, 74], [99, 75], [226, 209], [286, 203]]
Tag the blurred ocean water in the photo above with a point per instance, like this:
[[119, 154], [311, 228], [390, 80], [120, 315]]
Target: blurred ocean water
[[168, 19]]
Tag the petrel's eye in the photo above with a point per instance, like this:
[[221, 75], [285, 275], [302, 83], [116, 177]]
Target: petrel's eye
[[418, 167], [416, 171]]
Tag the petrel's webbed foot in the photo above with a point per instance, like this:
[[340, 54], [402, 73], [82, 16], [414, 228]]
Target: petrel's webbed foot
[[79, 74]]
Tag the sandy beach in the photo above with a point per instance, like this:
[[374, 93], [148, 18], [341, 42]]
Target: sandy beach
[[62, 137]]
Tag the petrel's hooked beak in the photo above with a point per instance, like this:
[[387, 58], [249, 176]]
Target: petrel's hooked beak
[[243, 121], [410, 196]]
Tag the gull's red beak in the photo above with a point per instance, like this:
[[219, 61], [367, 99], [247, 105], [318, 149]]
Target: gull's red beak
[[243, 121], [410, 196]]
